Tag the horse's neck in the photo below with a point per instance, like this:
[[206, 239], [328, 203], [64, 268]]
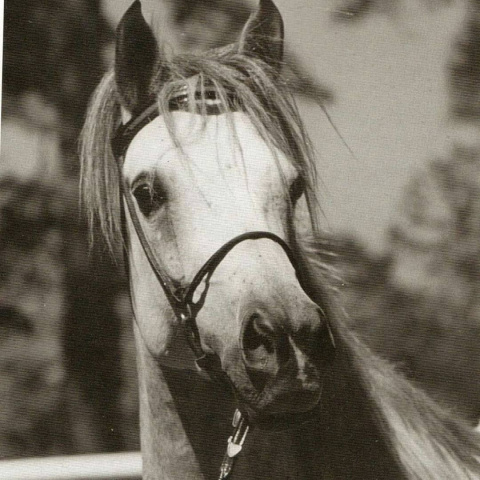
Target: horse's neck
[[352, 441]]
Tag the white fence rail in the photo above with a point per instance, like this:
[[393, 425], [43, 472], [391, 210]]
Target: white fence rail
[[109, 466]]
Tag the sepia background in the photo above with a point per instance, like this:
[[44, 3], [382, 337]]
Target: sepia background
[[399, 159]]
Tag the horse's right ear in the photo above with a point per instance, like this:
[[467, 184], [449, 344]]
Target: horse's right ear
[[136, 55]]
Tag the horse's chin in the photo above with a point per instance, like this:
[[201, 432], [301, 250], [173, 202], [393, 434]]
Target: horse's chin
[[280, 421], [303, 407]]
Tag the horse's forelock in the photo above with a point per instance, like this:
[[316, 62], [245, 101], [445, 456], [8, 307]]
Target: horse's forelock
[[261, 93]]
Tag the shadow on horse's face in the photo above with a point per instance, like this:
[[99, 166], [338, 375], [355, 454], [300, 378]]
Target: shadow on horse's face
[[224, 181]]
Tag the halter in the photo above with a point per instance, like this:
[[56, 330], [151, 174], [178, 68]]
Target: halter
[[181, 297]]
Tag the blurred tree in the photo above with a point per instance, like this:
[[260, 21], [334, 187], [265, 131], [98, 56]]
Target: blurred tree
[[59, 329], [419, 305], [54, 48], [442, 219], [436, 257], [63, 319]]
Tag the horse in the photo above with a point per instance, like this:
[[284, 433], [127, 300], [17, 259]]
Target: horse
[[199, 167]]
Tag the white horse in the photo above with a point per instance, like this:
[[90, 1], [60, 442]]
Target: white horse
[[200, 163]]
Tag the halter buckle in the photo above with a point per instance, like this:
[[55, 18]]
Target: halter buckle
[[235, 444]]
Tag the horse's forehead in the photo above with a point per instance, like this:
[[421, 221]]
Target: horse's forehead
[[232, 141]]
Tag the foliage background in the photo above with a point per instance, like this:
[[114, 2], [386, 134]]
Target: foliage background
[[67, 374]]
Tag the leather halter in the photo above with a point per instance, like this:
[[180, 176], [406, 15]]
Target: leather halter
[[181, 297]]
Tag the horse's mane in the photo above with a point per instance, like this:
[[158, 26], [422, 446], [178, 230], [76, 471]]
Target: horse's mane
[[426, 440]]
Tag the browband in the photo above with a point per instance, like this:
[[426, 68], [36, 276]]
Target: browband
[[179, 102]]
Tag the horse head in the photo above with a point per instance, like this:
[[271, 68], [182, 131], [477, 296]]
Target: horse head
[[199, 176]]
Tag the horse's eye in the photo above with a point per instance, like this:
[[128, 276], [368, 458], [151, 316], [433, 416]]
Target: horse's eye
[[297, 188], [211, 95], [149, 198]]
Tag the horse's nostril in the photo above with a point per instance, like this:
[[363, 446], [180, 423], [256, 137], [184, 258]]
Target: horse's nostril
[[264, 346], [258, 334]]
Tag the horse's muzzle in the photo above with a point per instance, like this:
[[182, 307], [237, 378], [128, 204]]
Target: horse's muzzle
[[284, 367]]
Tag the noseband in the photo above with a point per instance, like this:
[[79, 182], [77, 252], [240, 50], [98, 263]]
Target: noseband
[[181, 297]]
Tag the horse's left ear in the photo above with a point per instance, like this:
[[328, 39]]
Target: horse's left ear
[[263, 35], [136, 56]]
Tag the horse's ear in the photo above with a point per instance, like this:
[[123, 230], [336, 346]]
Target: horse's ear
[[136, 55], [263, 35]]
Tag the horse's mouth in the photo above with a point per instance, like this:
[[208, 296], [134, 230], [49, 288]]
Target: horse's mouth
[[281, 403], [268, 418], [280, 421]]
